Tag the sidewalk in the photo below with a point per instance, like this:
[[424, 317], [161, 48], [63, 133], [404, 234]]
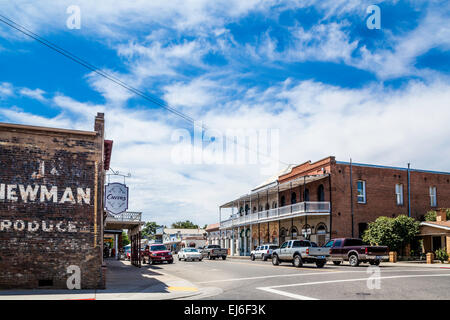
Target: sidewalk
[[123, 281]]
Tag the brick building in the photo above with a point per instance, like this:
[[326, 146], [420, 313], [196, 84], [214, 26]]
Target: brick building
[[326, 199], [51, 205]]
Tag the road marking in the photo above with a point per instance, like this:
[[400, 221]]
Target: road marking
[[306, 274], [272, 290], [287, 294]]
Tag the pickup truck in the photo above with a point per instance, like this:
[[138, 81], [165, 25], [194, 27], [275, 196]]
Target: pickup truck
[[214, 251], [299, 252], [355, 251]]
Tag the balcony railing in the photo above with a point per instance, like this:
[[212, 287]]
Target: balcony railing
[[282, 212]]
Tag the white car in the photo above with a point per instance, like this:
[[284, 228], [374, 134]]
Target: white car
[[189, 254], [264, 252]]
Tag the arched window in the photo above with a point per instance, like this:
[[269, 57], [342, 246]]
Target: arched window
[[283, 201], [282, 235], [274, 205], [260, 208], [293, 198], [306, 195], [247, 208], [254, 209], [321, 228], [320, 193], [294, 231], [267, 206], [241, 210]]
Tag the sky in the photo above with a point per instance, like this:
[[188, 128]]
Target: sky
[[309, 74]]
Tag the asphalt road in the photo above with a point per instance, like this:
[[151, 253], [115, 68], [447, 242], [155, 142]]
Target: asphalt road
[[236, 279]]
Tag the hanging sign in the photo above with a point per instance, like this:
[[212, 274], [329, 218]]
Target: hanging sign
[[116, 197]]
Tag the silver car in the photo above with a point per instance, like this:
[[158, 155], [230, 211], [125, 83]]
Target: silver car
[[189, 254], [264, 252]]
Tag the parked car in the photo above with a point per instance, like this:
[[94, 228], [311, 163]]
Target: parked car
[[264, 252], [213, 251], [355, 251], [189, 254], [156, 253], [299, 252]]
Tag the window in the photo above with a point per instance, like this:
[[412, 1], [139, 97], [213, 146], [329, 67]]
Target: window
[[337, 243], [300, 244], [433, 196], [274, 205], [353, 242], [267, 206], [306, 195], [321, 193], [361, 187], [399, 194], [329, 244], [284, 245], [293, 198], [283, 201]]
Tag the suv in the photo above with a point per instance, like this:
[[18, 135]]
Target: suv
[[264, 252], [298, 252], [156, 253]]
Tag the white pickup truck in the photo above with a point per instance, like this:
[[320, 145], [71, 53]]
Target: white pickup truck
[[299, 252]]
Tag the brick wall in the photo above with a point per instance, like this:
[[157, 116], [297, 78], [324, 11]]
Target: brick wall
[[47, 211]]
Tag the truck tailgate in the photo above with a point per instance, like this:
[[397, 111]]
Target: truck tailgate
[[317, 251]]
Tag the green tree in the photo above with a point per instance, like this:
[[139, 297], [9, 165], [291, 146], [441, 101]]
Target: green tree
[[206, 226], [431, 215], [125, 240], [392, 232], [184, 225], [149, 229]]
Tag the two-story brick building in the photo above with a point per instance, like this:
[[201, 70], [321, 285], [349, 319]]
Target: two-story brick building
[[328, 198], [51, 205]]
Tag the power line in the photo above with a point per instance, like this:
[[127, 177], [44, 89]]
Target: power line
[[110, 77]]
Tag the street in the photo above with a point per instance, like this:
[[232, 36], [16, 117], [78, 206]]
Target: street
[[239, 279]]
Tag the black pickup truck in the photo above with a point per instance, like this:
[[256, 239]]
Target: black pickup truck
[[355, 251]]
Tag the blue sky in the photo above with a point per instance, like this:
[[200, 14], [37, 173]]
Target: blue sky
[[310, 69]]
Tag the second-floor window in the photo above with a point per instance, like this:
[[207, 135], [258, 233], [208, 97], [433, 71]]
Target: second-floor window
[[433, 196], [361, 191], [399, 194]]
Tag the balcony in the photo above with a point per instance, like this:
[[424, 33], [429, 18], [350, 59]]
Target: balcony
[[295, 210]]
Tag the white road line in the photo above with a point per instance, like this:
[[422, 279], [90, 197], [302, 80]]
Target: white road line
[[271, 288], [307, 274], [287, 294]]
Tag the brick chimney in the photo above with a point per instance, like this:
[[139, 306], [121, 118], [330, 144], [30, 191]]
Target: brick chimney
[[441, 214]]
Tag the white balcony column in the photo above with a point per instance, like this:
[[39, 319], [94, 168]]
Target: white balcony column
[[245, 240], [232, 242], [251, 238]]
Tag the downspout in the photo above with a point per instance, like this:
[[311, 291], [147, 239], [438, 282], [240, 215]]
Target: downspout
[[409, 190], [331, 204], [351, 194]]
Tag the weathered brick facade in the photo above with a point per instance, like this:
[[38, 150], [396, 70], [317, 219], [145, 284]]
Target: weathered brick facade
[[51, 205]]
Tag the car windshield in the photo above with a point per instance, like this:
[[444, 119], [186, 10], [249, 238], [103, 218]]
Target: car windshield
[[157, 248], [191, 250]]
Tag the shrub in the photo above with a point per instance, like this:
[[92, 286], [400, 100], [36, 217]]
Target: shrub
[[441, 255], [431, 215]]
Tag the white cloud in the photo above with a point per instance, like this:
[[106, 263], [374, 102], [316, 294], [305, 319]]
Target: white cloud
[[6, 90], [37, 94]]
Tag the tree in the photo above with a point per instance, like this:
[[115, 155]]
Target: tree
[[125, 240], [149, 230], [431, 215], [392, 232], [184, 225], [206, 226]]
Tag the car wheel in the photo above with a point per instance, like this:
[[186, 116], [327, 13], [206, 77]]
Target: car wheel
[[150, 261], [179, 258], [336, 263], [353, 260], [297, 261], [320, 264], [209, 257], [264, 258], [252, 257], [275, 260], [170, 261], [224, 257]]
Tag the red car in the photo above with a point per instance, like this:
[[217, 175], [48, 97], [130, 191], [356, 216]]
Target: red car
[[156, 253]]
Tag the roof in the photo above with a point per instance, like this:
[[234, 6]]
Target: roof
[[212, 227], [48, 129], [445, 225], [274, 178], [183, 231]]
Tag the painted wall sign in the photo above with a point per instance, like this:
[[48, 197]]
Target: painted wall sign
[[43, 193], [116, 197]]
